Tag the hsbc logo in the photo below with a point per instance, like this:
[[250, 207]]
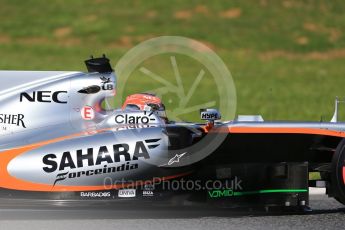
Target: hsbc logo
[[127, 193], [44, 96]]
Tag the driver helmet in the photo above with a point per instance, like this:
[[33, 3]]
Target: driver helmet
[[145, 102]]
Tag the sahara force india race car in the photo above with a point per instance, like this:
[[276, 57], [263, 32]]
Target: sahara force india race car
[[59, 142]]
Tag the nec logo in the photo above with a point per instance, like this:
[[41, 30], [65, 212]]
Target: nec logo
[[44, 96]]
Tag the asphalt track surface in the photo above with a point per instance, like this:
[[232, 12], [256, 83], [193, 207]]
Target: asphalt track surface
[[326, 214]]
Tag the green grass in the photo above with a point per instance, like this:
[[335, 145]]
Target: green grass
[[286, 57]]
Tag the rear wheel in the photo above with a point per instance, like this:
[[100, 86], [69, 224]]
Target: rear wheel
[[338, 173]]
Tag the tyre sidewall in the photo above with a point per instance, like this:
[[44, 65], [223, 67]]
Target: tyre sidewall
[[337, 180]]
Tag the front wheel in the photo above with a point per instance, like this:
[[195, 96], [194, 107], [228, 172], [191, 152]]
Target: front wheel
[[338, 173]]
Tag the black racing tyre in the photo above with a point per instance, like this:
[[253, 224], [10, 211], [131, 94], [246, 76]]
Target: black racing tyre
[[338, 173]]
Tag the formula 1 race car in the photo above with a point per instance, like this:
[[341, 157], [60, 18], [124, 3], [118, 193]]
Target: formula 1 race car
[[60, 141]]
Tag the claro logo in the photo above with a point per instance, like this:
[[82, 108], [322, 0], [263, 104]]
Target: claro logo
[[134, 119], [43, 96]]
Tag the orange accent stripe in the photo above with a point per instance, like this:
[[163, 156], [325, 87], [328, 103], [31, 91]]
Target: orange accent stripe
[[8, 181], [286, 130]]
